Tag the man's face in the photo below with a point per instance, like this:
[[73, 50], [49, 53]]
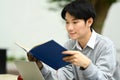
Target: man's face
[[77, 28]]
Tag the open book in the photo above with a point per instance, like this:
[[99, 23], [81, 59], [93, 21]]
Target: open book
[[50, 53]]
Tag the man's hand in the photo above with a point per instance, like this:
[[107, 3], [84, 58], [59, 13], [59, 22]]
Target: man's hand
[[77, 58], [31, 58]]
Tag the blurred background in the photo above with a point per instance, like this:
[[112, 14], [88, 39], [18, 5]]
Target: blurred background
[[32, 22]]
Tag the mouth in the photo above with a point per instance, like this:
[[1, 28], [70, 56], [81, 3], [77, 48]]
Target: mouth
[[71, 34]]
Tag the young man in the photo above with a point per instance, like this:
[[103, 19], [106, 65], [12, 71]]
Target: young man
[[93, 56]]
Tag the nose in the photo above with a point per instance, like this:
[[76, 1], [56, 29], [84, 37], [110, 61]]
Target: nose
[[69, 26]]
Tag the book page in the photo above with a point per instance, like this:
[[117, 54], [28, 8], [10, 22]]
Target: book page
[[26, 48], [23, 47]]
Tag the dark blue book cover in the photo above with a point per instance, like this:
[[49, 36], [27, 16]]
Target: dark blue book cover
[[50, 53]]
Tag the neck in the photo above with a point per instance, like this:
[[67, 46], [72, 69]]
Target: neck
[[83, 42]]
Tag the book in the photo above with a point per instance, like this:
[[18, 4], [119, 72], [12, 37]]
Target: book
[[50, 53]]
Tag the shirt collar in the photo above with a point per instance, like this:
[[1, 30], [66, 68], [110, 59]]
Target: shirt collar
[[91, 42]]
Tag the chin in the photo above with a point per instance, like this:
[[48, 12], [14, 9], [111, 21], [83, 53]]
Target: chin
[[74, 38]]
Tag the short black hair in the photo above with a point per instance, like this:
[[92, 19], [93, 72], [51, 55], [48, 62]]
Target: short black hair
[[80, 9]]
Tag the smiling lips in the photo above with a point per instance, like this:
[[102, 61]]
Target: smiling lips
[[72, 33]]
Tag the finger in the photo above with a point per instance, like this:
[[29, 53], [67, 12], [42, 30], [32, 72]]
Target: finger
[[68, 52], [68, 58], [30, 57], [73, 61], [39, 63]]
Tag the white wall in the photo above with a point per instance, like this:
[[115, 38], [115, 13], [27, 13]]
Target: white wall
[[28, 22], [112, 26]]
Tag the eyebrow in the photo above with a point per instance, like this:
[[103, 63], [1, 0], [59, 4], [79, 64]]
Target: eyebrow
[[72, 19]]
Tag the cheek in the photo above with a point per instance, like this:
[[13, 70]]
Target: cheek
[[79, 28]]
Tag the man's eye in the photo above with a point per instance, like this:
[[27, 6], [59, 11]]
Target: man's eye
[[75, 22], [67, 22]]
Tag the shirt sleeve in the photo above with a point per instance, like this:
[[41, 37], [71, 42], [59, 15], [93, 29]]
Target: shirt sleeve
[[48, 72], [105, 65], [64, 73]]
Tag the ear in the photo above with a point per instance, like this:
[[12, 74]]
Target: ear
[[89, 22]]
